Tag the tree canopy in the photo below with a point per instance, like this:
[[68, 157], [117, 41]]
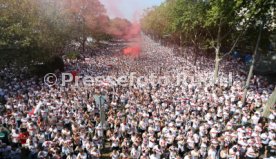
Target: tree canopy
[[217, 25], [32, 31]]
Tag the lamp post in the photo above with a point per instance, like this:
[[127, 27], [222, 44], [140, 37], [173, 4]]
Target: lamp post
[[100, 99]]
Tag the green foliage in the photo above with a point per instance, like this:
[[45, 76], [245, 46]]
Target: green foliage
[[198, 22], [217, 25], [158, 19], [180, 19], [188, 19], [32, 32], [14, 27], [72, 55], [258, 13]]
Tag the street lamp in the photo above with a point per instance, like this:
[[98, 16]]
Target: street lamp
[[100, 100]]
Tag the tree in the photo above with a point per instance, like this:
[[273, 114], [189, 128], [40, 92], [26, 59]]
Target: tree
[[88, 17], [16, 29], [156, 22], [119, 27], [252, 66], [34, 31], [234, 19], [221, 23], [188, 21], [262, 19], [30, 33], [268, 106]]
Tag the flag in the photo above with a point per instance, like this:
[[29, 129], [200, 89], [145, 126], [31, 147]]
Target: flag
[[36, 109]]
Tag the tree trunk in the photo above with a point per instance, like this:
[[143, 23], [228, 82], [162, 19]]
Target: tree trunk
[[250, 73], [217, 54], [271, 101], [196, 55], [216, 66], [180, 45], [83, 43], [83, 40]]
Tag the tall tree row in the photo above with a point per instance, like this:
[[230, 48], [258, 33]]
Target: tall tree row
[[216, 25]]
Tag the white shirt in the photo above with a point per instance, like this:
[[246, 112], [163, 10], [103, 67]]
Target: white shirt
[[154, 156], [212, 154], [15, 138], [255, 119], [82, 156]]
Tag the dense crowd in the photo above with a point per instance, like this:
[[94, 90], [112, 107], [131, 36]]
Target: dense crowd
[[194, 120]]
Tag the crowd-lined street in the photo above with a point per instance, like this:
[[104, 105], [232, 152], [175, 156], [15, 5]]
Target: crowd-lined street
[[194, 120]]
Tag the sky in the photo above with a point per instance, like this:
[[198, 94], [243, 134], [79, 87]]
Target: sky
[[129, 9]]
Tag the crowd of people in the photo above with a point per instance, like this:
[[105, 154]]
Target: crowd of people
[[194, 120]]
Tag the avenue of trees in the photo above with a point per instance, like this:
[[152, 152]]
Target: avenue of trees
[[216, 26], [34, 31], [219, 26]]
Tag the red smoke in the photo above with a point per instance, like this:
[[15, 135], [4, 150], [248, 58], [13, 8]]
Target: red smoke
[[124, 29], [133, 31], [120, 27], [132, 51], [134, 47]]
